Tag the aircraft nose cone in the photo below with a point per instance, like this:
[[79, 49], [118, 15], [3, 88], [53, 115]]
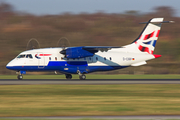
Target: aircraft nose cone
[[9, 66]]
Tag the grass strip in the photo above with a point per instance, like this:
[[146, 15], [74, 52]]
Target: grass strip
[[87, 100]]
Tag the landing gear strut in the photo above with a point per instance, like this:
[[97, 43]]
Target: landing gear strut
[[68, 76], [81, 75], [20, 77]]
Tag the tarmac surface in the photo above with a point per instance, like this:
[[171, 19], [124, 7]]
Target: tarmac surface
[[87, 82]]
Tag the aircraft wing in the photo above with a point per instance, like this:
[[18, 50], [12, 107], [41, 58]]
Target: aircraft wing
[[84, 51], [101, 48]]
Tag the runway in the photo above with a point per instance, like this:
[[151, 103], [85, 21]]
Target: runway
[[87, 82]]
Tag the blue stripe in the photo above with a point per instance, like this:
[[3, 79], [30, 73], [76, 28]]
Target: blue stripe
[[154, 43], [71, 69], [148, 43], [67, 63]]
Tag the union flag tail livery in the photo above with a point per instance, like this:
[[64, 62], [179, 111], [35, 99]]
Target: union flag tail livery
[[87, 59], [146, 41]]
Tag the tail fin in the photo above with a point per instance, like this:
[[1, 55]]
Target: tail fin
[[147, 39]]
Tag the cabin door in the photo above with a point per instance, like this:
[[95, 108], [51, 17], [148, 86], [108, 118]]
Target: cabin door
[[41, 60]]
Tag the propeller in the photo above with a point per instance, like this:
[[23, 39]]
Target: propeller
[[63, 42], [32, 44]]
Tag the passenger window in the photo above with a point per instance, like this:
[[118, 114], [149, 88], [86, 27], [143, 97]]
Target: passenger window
[[110, 58], [96, 58]]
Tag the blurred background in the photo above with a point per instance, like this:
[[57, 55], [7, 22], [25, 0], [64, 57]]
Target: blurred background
[[90, 23]]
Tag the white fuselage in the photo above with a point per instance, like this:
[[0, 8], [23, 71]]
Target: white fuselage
[[49, 59]]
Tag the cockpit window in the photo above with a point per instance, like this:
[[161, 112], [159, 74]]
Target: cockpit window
[[25, 56], [21, 56], [29, 56]]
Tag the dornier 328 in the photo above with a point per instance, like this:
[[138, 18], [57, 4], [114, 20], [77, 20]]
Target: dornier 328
[[87, 59]]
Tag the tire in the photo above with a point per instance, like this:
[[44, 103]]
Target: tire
[[68, 76], [82, 77], [20, 77]]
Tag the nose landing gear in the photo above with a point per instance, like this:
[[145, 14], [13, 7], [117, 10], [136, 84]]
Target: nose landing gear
[[20, 77]]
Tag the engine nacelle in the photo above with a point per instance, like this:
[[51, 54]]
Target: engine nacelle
[[77, 52]]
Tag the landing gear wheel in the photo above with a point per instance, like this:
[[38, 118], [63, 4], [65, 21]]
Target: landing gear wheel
[[68, 76], [20, 77], [82, 77]]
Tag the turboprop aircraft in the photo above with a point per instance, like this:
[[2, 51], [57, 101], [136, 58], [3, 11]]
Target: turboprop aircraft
[[87, 59]]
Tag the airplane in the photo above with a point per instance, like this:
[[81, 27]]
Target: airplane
[[87, 59]]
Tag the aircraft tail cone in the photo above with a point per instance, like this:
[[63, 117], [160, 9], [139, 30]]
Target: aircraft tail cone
[[156, 56]]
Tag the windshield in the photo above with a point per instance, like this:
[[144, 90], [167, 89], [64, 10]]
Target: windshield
[[29, 56], [21, 56], [25, 56]]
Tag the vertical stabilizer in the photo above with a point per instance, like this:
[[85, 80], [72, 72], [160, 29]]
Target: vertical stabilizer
[[147, 39]]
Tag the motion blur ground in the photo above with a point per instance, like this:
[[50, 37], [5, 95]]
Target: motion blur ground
[[89, 100]]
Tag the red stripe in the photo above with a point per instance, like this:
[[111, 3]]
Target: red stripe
[[145, 49], [140, 47], [149, 35], [157, 34], [44, 54], [152, 34]]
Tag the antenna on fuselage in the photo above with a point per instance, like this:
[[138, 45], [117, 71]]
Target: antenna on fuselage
[[32, 44]]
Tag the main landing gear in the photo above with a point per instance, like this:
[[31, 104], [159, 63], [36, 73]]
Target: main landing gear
[[68, 76], [81, 75]]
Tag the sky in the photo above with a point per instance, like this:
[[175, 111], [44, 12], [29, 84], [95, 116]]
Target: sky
[[53, 7]]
